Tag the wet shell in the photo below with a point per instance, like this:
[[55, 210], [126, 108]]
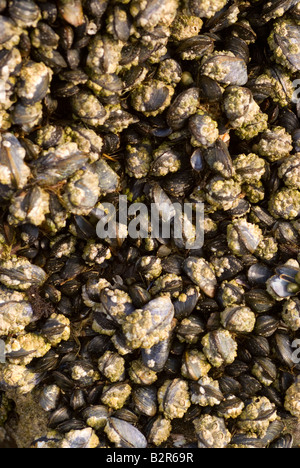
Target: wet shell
[[124, 435]]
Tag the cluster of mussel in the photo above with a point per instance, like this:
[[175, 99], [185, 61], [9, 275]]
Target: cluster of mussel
[[139, 342]]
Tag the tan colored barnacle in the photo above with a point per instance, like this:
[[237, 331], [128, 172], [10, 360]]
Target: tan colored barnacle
[[238, 319], [150, 267], [205, 8], [56, 329], [149, 15], [140, 374], [279, 84], [291, 314], [225, 68], [206, 392], [267, 249], [285, 204], [185, 26], [204, 129], [112, 366], [257, 416], [194, 365], [82, 192], [223, 194], [34, 82], [173, 398], [138, 159], [284, 41], [96, 253], [148, 326], [292, 400], [13, 170], [30, 206], [244, 113], [249, 167], [202, 274], [289, 171], [27, 346], [211, 432], [15, 312], [231, 293], [153, 98], [219, 347], [231, 407], [160, 430], [84, 438], [116, 395], [20, 274], [243, 237], [275, 144], [17, 377]]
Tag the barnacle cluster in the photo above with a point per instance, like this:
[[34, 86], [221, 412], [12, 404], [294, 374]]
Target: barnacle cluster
[[123, 341]]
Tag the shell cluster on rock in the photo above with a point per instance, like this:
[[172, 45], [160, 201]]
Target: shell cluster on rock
[[139, 342]]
